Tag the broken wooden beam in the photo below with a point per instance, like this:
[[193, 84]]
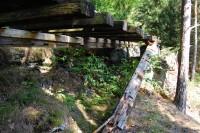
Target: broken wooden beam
[[102, 20], [119, 118], [80, 8], [23, 36]]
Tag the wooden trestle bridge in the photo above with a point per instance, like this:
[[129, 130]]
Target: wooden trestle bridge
[[74, 23]]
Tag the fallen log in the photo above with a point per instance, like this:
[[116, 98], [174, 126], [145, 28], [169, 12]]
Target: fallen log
[[119, 118]]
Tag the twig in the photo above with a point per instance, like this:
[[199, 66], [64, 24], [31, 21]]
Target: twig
[[105, 123]]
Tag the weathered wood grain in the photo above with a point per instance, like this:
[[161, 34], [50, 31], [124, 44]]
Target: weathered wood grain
[[13, 5], [102, 20], [37, 36], [127, 101], [65, 10]]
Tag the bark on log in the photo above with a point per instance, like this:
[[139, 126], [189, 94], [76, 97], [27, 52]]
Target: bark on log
[[127, 101]]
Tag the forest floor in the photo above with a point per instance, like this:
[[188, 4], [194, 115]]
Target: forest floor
[[35, 99], [154, 114], [193, 108]]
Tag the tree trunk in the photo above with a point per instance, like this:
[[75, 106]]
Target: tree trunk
[[181, 90], [194, 63]]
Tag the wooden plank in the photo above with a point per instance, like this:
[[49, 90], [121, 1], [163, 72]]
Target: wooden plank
[[65, 10], [119, 26], [123, 36], [96, 33], [10, 5], [12, 42], [22, 34], [111, 35], [126, 103], [99, 20]]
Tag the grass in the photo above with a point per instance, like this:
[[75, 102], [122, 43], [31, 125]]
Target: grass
[[6, 110], [197, 78], [103, 84], [107, 83], [30, 95]]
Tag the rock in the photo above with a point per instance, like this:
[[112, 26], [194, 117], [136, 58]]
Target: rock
[[168, 75], [134, 51], [25, 55], [118, 54]]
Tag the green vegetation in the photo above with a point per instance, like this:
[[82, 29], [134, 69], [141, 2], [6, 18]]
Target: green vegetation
[[103, 83], [44, 101], [197, 78], [30, 96], [160, 18]]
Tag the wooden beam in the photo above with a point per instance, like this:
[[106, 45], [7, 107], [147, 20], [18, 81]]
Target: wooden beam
[[99, 20], [12, 42], [80, 8], [119, 26], [123, 36], [36, 36], [115, 33], [10, 5], [119, 118]]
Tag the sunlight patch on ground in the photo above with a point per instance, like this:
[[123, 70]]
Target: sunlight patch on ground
[[101, 108], [84, 113], [31, 113], [48, 91], [74, 126]]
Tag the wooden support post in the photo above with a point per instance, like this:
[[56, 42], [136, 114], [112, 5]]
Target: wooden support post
[[96, 43], [127, 101]]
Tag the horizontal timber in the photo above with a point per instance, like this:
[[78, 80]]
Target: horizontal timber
[[125, 36], [37, 36], [102, 20], [66, 10], [13, 42], [13, 5]]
